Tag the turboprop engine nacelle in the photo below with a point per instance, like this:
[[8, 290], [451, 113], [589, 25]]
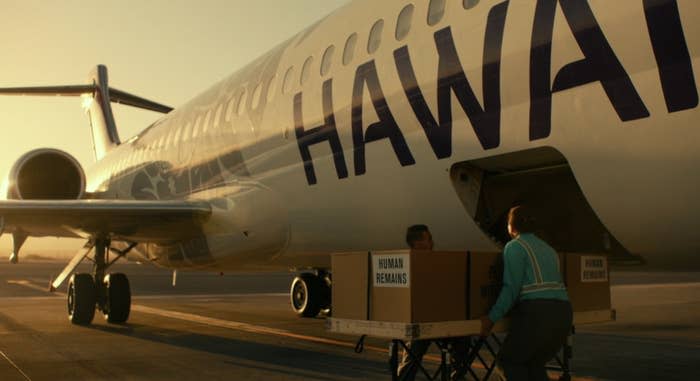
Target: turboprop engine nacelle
[[45, 174]]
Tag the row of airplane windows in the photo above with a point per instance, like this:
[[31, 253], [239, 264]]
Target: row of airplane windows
[[192, 129], [436, 11]]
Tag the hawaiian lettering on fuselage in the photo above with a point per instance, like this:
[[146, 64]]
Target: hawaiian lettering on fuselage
[[599, 65]]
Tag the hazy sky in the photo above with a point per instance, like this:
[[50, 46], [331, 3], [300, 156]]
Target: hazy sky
[[164, 50]]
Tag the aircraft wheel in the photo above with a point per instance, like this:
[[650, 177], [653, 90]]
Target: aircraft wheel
[[326, 283], [82, 296], [306, 295], [117, 298]]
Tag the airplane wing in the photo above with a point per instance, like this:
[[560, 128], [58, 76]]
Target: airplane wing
[[128, 220], [115, 95]]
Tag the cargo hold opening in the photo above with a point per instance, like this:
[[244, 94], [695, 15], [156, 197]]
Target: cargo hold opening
[[541, 178]]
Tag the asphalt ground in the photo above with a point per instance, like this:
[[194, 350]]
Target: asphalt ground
[[239, 326]]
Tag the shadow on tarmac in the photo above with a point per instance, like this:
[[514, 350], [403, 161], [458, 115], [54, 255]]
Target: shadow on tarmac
[[309, 364]]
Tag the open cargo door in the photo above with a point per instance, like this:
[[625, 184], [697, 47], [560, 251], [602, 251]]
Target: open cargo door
[[542, 178]]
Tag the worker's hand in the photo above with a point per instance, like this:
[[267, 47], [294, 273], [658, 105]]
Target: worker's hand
[[486, 326]]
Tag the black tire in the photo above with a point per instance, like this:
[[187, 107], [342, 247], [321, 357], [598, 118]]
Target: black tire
[[305, 295], [82, 296], [326, 294], [117, 298]]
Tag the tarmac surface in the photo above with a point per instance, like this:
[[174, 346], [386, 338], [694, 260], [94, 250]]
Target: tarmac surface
[[240, 327]]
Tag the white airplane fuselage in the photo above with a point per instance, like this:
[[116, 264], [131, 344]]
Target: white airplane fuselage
[[346, 152]]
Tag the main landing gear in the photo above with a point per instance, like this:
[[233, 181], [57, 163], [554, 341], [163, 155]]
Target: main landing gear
[[311, 293], [109, 293]]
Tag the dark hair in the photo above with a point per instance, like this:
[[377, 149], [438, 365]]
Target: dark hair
[[415, 233], [521, 219]]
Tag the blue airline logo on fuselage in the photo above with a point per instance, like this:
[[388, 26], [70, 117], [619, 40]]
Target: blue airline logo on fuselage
[[599, 65]]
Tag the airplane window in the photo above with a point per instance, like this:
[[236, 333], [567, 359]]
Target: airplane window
[[217, 115], [403, 24], [271, 87], [375, 36], [229, 109], [176, 138], [207, 122], [287, 83], [197, 126], [256, 96], [168, 140], [349, 50], [327, 60], [468, 4], [435, 11], [241, 103], [186, 132], [306, 70]]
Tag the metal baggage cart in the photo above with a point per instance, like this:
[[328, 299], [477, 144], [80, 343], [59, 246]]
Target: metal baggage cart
[[440, 333]]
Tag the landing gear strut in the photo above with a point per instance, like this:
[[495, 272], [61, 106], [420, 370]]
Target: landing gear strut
[[110, 293], [311, 293]]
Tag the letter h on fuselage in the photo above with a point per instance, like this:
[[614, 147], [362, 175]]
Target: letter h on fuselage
[[326, 132]]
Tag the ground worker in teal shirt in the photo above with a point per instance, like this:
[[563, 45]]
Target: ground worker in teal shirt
[[534, 294]]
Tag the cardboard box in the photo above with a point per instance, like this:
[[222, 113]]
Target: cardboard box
[[485, 282], [587, 281], [350, 289], [418, 286], [425, 286], [414, 287]]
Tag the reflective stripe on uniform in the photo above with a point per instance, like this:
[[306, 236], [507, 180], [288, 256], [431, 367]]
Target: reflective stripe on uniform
[[540, 284], [533, 261], [541, 287]]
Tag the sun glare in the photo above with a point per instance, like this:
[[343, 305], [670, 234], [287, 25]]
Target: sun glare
[[87, 101]]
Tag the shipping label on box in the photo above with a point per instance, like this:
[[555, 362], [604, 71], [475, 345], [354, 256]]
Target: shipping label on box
[[391, 270], [594, 269], [587, 281]]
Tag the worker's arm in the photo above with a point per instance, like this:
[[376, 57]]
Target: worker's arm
[[514, 261]]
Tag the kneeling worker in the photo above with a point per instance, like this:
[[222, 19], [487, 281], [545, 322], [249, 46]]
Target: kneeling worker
[[541, 314]]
